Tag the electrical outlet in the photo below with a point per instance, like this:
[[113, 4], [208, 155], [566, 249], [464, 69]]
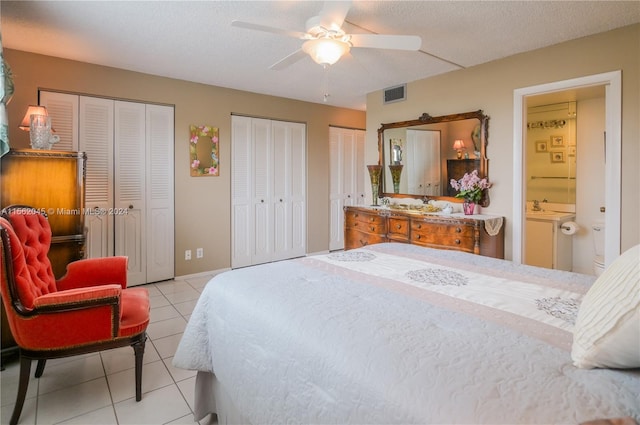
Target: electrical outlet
[[187, 254], [199, 253]]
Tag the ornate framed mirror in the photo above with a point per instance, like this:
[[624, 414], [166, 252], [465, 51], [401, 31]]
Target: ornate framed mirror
[[419, 157]]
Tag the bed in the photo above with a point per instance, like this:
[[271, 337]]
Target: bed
[[401, 334]]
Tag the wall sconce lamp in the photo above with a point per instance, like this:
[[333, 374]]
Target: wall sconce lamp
[[32, 110], [326, 51], [458, 145]]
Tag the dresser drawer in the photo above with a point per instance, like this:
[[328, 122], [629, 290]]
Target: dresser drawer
[[441, 235], [356, 239], [370, 223], [398, 228]]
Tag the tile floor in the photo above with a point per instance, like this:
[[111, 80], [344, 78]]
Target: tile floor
[[100, 388]]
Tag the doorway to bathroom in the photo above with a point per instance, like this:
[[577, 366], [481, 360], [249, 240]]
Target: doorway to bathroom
[[597, 183]]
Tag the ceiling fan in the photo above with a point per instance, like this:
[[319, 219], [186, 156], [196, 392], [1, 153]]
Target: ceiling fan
[[326, 42]]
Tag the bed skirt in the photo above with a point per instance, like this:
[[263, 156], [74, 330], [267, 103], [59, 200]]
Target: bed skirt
[[211, 398]]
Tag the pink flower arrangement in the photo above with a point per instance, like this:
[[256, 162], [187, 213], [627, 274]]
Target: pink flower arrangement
[[470, 186]]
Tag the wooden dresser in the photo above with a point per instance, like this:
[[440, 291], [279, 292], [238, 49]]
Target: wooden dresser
[[53, 182], [366, 226]]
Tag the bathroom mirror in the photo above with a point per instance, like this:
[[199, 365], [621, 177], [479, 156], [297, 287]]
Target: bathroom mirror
[[551, 153], [420, 152]]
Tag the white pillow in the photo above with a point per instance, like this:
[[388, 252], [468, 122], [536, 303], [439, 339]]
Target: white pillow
[[607, 330]]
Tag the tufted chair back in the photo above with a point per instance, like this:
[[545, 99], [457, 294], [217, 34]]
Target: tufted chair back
[[32, 268]]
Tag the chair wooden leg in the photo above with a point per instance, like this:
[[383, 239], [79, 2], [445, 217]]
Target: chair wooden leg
[[25, 370], [138, 349], [40, 367]]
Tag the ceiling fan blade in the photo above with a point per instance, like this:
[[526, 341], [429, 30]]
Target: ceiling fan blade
[[381, 41], [289, 60], [258, 27], [333, 13]]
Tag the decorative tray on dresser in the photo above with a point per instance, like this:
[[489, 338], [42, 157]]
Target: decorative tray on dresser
[[479, 234]]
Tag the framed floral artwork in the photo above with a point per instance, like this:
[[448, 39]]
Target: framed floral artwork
[[557, 156], [557, 141], [541, 146], [204, 151]]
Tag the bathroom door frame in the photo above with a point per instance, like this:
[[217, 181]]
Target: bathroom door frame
[[612, 81]]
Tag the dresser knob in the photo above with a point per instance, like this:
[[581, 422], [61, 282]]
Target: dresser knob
[[398, 226], [457, 241], [373, 229], [419, 226], [418, 236], [458, 230]]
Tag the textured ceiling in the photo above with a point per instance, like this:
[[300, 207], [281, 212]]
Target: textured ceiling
[[194, 40]]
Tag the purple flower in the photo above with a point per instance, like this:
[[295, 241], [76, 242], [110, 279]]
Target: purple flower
[[470, 186]]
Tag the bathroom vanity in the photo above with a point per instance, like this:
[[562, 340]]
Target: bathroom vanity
[[546, 246], [478, 234]]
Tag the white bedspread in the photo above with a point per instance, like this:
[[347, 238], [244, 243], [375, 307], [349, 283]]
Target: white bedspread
[[396, 333]]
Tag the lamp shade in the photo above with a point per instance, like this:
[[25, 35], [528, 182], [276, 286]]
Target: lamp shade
[[326, 51], [458, 145], [32, 110]]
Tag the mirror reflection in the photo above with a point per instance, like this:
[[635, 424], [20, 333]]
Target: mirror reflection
[[419, 157], [551, 153]]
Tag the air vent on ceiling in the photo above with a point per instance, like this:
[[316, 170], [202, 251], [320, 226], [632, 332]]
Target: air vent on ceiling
[[395, 94]]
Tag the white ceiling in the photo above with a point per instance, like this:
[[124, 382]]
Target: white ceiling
[[194, 40]]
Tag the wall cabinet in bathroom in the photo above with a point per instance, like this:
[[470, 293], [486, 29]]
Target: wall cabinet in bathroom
[[546, 246]]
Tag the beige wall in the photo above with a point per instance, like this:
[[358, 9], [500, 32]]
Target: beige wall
[[490, 87], [202, 203]]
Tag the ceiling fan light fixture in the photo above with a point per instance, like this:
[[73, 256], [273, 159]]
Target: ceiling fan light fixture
[[326, 51]]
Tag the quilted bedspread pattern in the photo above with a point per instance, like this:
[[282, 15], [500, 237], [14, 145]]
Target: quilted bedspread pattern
[[396, 333]]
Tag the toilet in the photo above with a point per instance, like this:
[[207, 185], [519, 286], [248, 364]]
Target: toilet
[[598, 244]]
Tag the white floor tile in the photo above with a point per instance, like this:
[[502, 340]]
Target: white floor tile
[[164, 313], [187, 388], [73, 401], [176, 373], [157, 330], [167, 346], [77, 370], [9, 384], [104, 416], [157, 407], [186, 308], [27, 417], [123, 358], [123, 384], [158, 301], [182, 296]]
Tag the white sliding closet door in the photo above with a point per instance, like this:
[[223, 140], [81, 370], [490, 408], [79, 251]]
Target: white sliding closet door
[[160, 192], [289, 203], [268, 190], [130, 187], [96, 140], [346, 186], [129, 178]]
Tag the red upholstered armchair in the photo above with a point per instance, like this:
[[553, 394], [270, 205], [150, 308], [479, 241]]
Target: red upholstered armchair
[[89, 309]]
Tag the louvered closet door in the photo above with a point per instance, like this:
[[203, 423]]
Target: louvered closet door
[[159, 211], [96, 140], [130, 187], [63, 110]]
